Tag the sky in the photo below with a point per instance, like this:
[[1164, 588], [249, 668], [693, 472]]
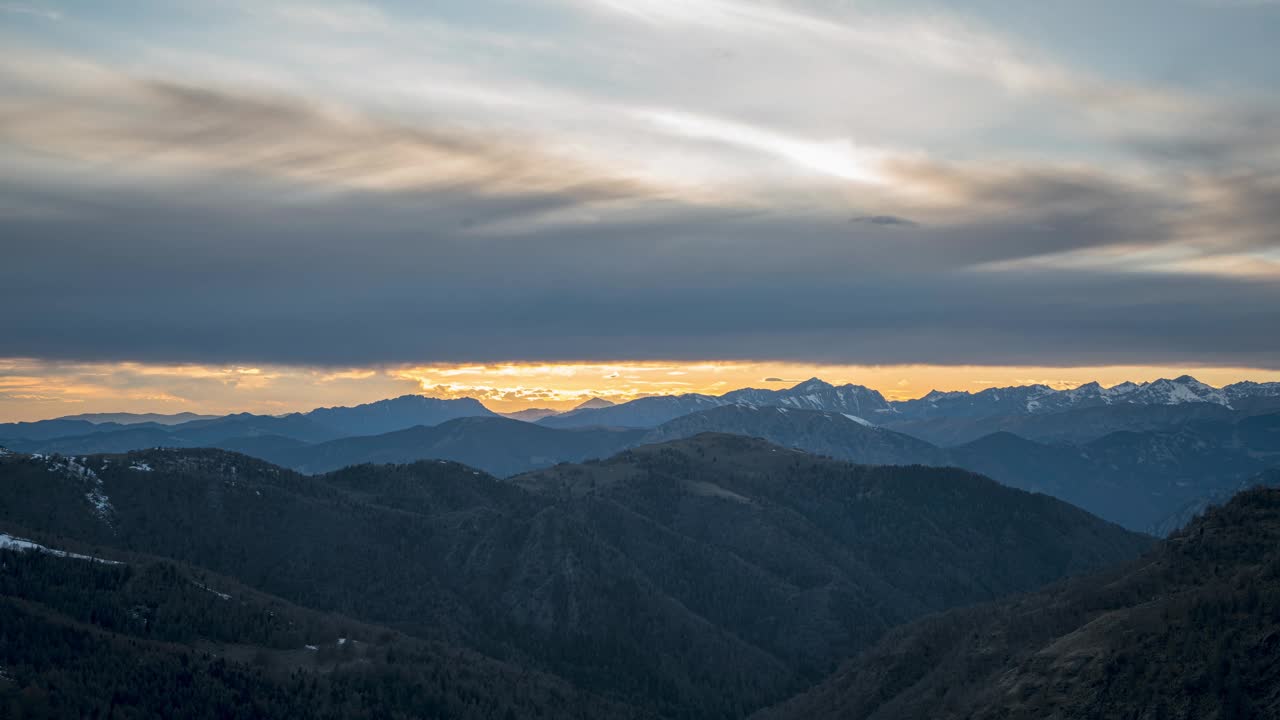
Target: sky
[[251, 204]]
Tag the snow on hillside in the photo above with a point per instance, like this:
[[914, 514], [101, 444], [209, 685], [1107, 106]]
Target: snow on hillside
[[9, 542], [96, 495]]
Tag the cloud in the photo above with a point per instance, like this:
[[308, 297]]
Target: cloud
[[31, 11], [1238, 3], [332, 286], [937, 42], [233, 266], [883, 220], [344, 17], [670, 216], [161, 126]]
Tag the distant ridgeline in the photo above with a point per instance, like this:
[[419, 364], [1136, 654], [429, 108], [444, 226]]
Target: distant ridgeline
[[1147, 456], [705, 577]]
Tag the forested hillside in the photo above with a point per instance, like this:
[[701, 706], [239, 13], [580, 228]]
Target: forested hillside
[[1189, 631], [699, 578], [151, 638]]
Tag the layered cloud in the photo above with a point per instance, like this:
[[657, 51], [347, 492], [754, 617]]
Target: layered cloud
[[355, 185]]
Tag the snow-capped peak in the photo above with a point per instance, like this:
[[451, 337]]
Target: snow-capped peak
[[812, 384]]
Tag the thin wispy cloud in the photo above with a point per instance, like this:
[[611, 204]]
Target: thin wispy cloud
[[34, 11]]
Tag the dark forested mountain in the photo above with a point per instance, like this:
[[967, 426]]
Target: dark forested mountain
[[1138, 479], [1183, 516], [699, 578], [1143, 480], [153, 638], [500, 446], [1135, 479], [1190, 631]]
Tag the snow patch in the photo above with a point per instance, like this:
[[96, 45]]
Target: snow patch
[[707, 489], [860, 421], [206, 588], [9, 542], [140, 467], [96, 496]]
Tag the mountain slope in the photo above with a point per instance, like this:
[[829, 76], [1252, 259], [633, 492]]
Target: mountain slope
[[16, 433], [137, 418], [386, 416], [84, 435], [1041, 399], [838, 551], [1073, 426], [700, 578], [150, 638], [1189, 631], [812, 394], [500, 446], [1135, 479], [641, 413], [197, 433], [832, 434], [531, 414], [1138, 479]]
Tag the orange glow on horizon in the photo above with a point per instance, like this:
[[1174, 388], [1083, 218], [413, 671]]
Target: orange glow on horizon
[[34, 389]]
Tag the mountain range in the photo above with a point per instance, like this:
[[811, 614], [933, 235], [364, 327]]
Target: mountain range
[[1141, 465], [699, 578], [1157, 403], [812, 394], [870, 405], [315, 426], [1142, 480]]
